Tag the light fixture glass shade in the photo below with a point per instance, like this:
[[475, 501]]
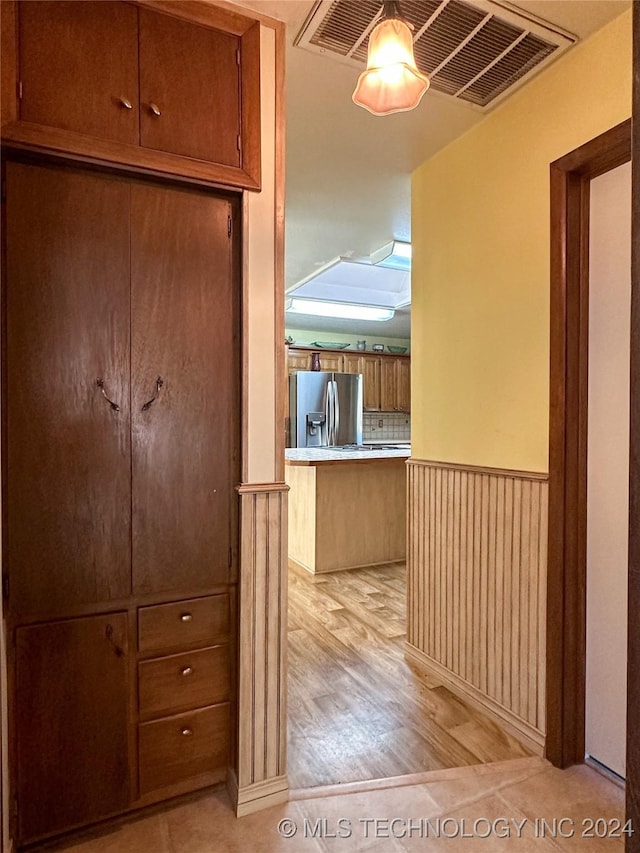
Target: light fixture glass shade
[[391, 82]]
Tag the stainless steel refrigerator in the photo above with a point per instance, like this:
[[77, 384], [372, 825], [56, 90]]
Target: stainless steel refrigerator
[[325, 409]]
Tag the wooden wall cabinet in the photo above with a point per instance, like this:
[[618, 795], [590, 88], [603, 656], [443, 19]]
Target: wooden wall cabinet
[[301, 360], [165, 86], [386, 378], [395, 385], [369, 367]]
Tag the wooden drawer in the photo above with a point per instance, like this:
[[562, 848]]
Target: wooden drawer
[[181, 625], [180, 682], [178, 748]]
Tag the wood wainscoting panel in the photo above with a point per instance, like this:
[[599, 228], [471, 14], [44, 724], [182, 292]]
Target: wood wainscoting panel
[[477, 559], [262, 735]]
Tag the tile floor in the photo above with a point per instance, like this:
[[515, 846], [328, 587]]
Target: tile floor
[[478, 809]]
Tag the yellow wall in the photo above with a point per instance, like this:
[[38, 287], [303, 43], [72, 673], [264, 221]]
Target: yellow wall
[[480, 286]]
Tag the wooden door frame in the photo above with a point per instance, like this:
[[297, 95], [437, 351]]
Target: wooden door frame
[[633, 664], [571, 177]]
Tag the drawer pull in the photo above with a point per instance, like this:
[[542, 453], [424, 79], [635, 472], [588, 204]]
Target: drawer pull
[[186, 670], [186, 617], [187, 732]]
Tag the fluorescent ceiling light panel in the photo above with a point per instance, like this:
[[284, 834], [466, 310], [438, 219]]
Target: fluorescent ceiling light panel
[[339, 310], [396, 255], [357, 283]]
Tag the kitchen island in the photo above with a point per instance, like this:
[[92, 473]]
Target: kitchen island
[[347, 508]]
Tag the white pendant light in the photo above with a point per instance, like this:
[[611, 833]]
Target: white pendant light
[[391, 82]]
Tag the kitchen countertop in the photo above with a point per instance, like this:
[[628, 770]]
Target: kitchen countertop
[[320, 455]]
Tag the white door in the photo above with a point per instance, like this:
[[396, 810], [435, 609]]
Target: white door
[[608, 467]]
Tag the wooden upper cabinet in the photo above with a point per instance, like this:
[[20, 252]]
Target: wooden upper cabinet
[[78, 65], [388, 385], [189, 89], [371, 390], [403, 373], [172, 87], [298, 360], [302, 360], [351, 363], [395, 385], [331, 361], [386, 379]]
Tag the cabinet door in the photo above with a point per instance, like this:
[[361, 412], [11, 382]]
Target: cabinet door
[[78, 61], [68, 450], [403, 375], [185, 367], [331, 361], [371, 390], [298, 360], [71, 717], [351, 363], [388, 385], [189, 89]]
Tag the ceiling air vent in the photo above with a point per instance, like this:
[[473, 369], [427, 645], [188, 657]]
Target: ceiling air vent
[[476, 52]]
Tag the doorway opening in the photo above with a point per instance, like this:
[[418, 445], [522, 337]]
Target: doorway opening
[[571, 177]]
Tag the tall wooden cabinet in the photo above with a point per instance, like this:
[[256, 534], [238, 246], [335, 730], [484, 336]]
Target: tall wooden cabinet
[[121, 457]]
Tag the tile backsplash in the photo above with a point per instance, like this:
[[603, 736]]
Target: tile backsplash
[[386, 426]]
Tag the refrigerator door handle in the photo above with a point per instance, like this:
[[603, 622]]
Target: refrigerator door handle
[[332, 423], [327, 414], [336, 413], [331, 433]]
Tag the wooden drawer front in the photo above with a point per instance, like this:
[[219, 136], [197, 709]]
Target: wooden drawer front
[[180, 682], [183, 624], [177, 748]]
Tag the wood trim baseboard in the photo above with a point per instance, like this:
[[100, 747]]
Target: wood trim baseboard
[[520, 729], [260, 795], [295, 564], [479, 469]]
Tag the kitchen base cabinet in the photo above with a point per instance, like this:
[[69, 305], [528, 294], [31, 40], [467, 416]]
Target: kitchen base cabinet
[[71, 715], [346, 514]]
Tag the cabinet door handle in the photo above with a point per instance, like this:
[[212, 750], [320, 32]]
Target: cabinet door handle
[[100, 384], [155, 109], [186, 670], [126, 103], [149, 403]]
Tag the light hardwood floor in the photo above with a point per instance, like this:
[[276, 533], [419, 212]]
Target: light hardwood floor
[[357, 710]]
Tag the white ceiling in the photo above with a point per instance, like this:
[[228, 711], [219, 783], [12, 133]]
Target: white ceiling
[[348, 172]]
